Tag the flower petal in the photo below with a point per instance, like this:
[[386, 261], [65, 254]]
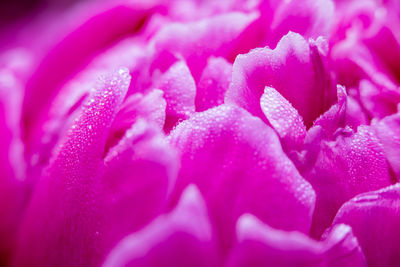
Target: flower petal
[[355, 114], [289, 68], [179, 91], [64, 197], [196, 41], [239, 166], [284, 119], [213, 84], [334, 118], [350, 164], [261, 245], [139, 174], [109, 23], [375, 219], [388, 132], [378, 101], [150, 106], [70, 97], [358, 67], [183, 237], [310, 18]]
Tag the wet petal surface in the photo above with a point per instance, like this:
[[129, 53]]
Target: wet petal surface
[[239, 166]]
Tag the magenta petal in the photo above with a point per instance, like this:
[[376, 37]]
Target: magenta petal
[[239, 166], [150, 106], [378, 101], [196, 41], [350, 164], [106, 26], [65, 198], [289, 68], [310, 18], [261, 245], [179, 91], [342, 247], [183, 237], [375, 219], [355, 114], [139, 174], [72, 94], [284, 119], [334, 118], [361, 17], [388, 132], [385, 42], [213, 84], [355, 62]]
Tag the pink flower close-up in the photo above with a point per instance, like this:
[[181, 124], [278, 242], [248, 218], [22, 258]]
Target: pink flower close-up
[[200, 133]]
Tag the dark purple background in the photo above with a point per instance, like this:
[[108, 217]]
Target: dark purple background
[[13, 10]]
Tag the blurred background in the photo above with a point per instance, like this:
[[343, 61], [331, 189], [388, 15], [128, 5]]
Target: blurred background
[[12, 11]]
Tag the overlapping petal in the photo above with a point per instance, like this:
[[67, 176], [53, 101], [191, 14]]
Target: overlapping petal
[[239, 166], [261, 245], [375, 219], [179, 89], [150, 107], [351, 163], [283, 118], [105, 26], [183, 237], [388, 133], [213, 83], [335, 117], [64, 199], [291, 68], [135, 186], [213, 154], [196, 41], [309, 18]]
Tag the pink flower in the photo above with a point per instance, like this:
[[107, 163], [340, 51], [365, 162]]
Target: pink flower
[[201, 133]]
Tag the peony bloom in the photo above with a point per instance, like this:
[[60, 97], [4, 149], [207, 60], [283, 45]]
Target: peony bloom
[[201, 133]]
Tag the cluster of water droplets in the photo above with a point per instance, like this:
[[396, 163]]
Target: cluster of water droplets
[[84, 142]]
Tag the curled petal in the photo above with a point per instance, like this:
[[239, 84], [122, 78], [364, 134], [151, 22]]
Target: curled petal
[[289, 68], [213, 84], [283, 118], [334, 118], [375, 219], [179, 91], [150, 106], [183, 237], [261, 245], [239, 166]]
